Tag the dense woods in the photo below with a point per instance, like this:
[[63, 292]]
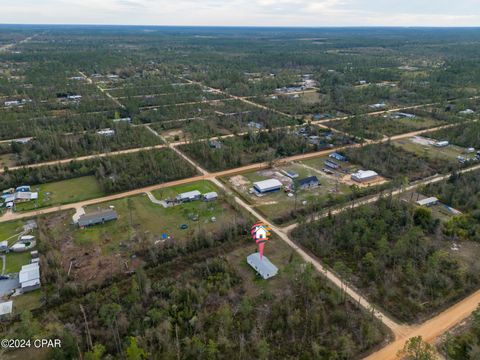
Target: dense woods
[[54, 146], [258, 147], [393, 162], [464, 344], [462, 192], [205, 313], [114, 173], [395, 253], [465, 135]]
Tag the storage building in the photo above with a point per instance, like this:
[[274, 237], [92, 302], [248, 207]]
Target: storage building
[[266, 186], [29, 277], [364, 176], [211, 196]]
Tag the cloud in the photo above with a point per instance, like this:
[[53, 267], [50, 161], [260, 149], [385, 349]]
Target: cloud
[[244, 12]]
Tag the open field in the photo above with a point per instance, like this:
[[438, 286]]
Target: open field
[[63, 192]]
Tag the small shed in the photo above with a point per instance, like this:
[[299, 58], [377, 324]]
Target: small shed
[[263, 266], [210, 196], [6, 308]]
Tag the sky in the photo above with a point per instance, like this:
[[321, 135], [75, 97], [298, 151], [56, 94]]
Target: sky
[[315, 13]]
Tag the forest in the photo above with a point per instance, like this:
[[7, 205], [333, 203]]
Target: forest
[[204, 312], [465, 343], [395, 253], [259, 147], [47, 145], [114, 173], [396, 163], [462, 192], [465, 135]]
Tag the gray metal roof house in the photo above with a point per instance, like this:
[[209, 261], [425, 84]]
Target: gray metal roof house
[[263, 267], [97, 217], [308, 182]]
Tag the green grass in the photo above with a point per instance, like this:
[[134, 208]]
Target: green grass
[[152, 220], [8, 229], [15, 261], [63, 192]]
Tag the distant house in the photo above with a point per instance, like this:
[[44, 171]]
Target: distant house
[[441, 144], [338, 156], [74, 97], [263, 266], [125, 119], [314, 139], [467, 112], [331, 164], [399, 115], [106, 132], [210, 196], [23, 188], [364, 176], [189, 196], [23, 141], [267, 186], [309, 182], [12, 103], [215, 144], [29, 277], [431, 201], [378, 106], [254, 125], [97, 217]]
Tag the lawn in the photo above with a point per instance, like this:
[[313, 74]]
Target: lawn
[[138, 215], [9, 229], [63, 192], [15, 261]]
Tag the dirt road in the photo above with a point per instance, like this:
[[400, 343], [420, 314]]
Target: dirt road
[[433, 328]]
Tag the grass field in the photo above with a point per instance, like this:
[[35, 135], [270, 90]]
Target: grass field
[[63, 192], [138, 215], [15, 261], [9, 229]]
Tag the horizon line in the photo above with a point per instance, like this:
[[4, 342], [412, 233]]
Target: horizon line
[[248, 26]]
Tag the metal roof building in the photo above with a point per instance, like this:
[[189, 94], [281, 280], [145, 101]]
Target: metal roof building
[[210, 196], [6, 308], [29, 277], [428, 201], [97, 217], [363, 176], [308, 182], [189, 196], [267, 186], [263, 267]]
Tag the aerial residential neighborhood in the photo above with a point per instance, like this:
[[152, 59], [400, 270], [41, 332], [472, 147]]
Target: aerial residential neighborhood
[[283, 180]]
